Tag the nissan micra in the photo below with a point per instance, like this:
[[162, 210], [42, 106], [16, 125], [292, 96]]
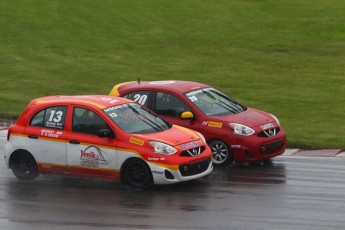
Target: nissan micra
[[233, 131], [105, 137]]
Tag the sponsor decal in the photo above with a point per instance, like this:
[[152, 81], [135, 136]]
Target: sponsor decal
[[266, 126], [205, 123], [105, 99], [109, 100], [115, 108], [161, 82], [156, 158], [136, 141], [251, 116], [236, 146], [46, 166], [92, 157], [50, 133], [198, 91], [190, 145], [215, 124], [157, 172]]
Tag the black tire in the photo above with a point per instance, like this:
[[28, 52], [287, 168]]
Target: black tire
[[24, 166], [137, 174], [221, 152]]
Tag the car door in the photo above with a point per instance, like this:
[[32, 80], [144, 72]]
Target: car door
[[87, 153], [47, 138], [166, 105], [170, 107]]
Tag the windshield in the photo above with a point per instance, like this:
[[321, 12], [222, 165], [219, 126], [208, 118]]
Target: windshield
[[133, 118], [212, 102]]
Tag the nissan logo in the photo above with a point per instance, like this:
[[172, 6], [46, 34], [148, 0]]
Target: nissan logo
[[194, 152]]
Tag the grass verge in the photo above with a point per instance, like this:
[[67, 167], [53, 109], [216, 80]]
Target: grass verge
[[284, 57]]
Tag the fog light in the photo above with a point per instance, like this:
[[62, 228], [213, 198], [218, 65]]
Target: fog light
[[248, 154], [168, 175]]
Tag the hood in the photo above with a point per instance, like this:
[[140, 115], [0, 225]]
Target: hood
[[174, 136], [250, 118]]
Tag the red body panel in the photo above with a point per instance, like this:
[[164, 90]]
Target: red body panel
[[244, 148]]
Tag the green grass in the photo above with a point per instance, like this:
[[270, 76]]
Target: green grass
[[285, 57]]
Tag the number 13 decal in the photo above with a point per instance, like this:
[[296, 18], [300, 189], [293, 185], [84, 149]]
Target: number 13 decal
[[55, 116]]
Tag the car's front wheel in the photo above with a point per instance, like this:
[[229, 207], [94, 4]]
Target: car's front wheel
[[220, 151], [24, 166], [137, 174]]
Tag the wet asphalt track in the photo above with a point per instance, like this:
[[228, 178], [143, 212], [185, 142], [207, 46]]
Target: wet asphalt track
[[288, 193]]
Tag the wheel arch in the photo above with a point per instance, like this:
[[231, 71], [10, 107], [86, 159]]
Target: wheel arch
[[129, 160], [217, 139], [17, 151], [231, 156]]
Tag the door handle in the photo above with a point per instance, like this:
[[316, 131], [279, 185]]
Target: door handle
[[74, 142], [33, 136]]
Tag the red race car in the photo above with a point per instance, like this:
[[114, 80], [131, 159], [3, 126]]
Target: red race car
[[233, 131], [105, 137]]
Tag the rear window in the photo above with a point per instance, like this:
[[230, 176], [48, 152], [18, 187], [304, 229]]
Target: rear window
[[140, 97], [52, 117]]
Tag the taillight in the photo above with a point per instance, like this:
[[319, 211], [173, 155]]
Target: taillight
[[9, 133]]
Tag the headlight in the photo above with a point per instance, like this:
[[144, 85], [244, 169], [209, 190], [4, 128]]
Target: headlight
[[275, 118], [161, 148], [241, 129], [201, 137]]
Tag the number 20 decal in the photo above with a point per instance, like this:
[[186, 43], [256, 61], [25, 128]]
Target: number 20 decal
[[141, 99]]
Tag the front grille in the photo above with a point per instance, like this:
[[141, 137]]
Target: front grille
[[271, 147], [195, 168], [192, 152], [269, 132]]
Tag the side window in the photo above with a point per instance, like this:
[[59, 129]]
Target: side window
[[37, 120], [140, 97], [169, 105], [86, 121], [52, 117]]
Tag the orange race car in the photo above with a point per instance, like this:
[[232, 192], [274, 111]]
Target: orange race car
[[105, 137]]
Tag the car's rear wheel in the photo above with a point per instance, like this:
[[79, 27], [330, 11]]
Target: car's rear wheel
[[137, 174], [220, 151], [24, 166]]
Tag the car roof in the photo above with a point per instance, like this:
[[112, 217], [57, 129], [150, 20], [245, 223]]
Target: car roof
[[171, 85], [100, 101]]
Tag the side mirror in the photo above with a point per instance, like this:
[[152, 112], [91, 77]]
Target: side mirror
[[106, 133], [187, 115]]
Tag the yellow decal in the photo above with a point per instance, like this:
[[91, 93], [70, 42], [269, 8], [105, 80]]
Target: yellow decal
[[115, 90], [68, 100], [189, 131], [136, 141], [19, 135], [215, 124], [172, 167]]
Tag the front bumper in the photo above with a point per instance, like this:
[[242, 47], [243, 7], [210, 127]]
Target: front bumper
[[185, 172], [254, 148]]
